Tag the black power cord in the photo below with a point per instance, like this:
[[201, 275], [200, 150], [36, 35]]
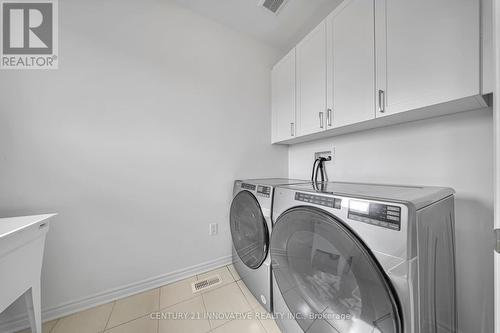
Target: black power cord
[[321, 169], [318, 167], [314, 170]]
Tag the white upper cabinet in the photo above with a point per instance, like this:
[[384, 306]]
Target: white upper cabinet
[[375, 63], [311, 82], [427, 53], [283, 98], [351, 63], [488, 69]]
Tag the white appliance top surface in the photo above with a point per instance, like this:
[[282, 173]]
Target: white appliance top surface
[[419, 196], [275, 181], [10, 225]]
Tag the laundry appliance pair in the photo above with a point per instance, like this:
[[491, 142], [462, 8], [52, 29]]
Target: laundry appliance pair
[[347, 257]]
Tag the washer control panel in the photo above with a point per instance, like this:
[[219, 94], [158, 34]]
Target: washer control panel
[[264, 191], [319, 200], [381, 215]]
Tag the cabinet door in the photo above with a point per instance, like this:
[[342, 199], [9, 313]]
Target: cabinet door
[[283, 98], [311, 81], [351, 62], [487, 54], [427, 52]]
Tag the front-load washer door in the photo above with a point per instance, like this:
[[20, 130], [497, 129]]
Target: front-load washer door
[[328, 278], [249, 230]]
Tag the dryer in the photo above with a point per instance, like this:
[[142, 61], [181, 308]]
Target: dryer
[[361, 258], [251, 224]]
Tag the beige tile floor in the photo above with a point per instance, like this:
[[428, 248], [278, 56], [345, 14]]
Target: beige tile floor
[[157, 311]]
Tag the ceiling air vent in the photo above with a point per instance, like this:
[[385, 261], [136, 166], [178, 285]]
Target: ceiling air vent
[[272, 5]]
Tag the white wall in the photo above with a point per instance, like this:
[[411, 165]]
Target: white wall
[[454, 151], [135, 141]]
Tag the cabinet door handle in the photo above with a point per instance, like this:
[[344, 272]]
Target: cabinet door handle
[[292, 127], [381, 101], [321, 125], [329, 117]]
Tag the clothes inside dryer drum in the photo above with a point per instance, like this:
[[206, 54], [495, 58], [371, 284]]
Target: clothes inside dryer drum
[[249, 230], [328, 279]]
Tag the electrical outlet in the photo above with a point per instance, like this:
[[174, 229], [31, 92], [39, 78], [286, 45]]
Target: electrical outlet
[[213, 229], [326, 154]]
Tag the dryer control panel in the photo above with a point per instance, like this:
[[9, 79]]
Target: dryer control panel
[[386, 216], [264, 191], [247, 186]]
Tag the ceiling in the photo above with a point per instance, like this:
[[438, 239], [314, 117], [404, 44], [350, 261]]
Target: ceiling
[[281, 31]]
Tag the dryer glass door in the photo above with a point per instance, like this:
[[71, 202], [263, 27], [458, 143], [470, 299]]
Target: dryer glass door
[[328, 278], [249, 229]]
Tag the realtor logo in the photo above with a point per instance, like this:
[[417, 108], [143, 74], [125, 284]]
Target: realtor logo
[[29, 34]]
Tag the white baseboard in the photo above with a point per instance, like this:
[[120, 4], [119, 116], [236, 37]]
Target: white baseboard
[[21, 322]]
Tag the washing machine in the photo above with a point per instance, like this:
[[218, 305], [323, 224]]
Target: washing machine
[[251, 223], [355, 258]]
